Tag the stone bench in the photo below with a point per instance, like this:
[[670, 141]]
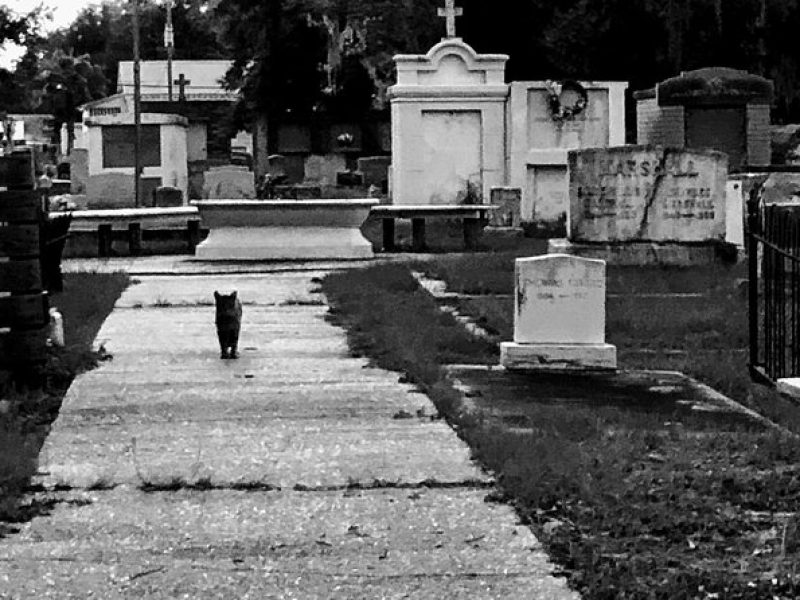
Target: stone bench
[[474, 217], [129, 223]]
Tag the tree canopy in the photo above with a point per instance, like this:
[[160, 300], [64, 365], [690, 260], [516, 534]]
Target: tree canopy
[[302, 57]]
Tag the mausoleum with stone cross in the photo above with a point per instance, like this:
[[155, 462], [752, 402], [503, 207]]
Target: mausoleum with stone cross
[[459, 130]]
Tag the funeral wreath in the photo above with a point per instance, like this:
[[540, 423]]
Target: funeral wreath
[[558, 110]]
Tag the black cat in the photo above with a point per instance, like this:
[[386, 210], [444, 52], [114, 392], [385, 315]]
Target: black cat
[[229, 322]]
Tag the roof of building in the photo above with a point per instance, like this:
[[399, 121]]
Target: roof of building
[[203, 80]]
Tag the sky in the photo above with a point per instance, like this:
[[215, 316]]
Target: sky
[[63, 11]]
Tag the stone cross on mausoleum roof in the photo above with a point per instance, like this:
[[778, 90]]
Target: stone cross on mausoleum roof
[[450, 12]]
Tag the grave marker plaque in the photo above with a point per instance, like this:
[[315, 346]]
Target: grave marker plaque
[[647, 194], [559, 316]]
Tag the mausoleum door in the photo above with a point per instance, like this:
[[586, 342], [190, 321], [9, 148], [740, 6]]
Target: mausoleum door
[[723, 129]]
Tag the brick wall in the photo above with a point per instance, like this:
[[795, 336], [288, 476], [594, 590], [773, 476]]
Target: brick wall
[[759, 150], [659, 125]]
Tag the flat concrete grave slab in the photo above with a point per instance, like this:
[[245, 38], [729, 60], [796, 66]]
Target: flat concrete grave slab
[[333, 545], [665, 395]]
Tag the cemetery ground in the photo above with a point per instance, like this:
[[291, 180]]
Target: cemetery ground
[[633, 494], [25, 418]]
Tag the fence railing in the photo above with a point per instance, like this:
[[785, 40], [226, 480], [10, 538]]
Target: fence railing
[[773, 236]]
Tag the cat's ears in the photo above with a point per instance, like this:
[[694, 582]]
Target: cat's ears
[[217, 295]]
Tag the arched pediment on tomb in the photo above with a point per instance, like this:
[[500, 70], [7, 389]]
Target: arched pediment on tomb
[[450, 63]]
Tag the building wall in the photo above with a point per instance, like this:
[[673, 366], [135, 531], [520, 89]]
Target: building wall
[[537, 145], [173, 170], [659, 125], [216, 116]]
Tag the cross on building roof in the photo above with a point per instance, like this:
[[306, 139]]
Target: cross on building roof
[[450, 12], [182, 82]]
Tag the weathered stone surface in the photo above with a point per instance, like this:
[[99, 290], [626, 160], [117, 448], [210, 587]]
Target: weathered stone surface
[[558, 357], [284, 229], [110, 189], [186, 265], [230, 182], [647, 193], [560, 299], [323, 169], [639, 254], [559, 316], [332, 545], [78, 160], [375, 170], [509, 202]]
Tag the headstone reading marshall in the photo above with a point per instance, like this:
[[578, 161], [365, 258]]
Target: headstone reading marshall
[[647, 194], [646, 204], [559, 316]]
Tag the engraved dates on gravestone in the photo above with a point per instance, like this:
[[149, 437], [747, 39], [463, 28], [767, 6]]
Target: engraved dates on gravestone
[[560, 299], [647, 193]]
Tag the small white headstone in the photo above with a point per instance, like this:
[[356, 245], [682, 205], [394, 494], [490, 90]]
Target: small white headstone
[[560, 315]]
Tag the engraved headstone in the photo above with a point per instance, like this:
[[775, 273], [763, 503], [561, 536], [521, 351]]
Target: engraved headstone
[[559, 317], [647, 194]]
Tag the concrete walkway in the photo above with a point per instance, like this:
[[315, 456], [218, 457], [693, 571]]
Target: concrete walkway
[[285, 474]]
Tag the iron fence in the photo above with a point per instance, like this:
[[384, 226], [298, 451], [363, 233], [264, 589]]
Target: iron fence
[[773, 238]]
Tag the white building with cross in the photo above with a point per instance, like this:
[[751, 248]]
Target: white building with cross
[[200, 101], [461, 133]]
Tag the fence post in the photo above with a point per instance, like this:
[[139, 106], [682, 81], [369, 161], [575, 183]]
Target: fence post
[[753, 230]]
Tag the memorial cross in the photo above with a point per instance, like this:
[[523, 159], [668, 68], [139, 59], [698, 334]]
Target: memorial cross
[[182, 82], [450, 12]]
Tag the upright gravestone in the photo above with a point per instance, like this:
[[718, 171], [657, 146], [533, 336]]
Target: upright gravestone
[[78, 170], [229, 182], [508, 201], [559, 316], [642, 204]]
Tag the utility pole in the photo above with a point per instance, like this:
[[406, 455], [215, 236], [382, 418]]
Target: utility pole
[[169, 44], [137, 108]]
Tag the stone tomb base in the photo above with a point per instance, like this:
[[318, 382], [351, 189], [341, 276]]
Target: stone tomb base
[[641, 253], [284, 229], [558, 357]]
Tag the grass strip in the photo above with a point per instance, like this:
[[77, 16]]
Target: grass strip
[[703, 336], [628, 506]]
